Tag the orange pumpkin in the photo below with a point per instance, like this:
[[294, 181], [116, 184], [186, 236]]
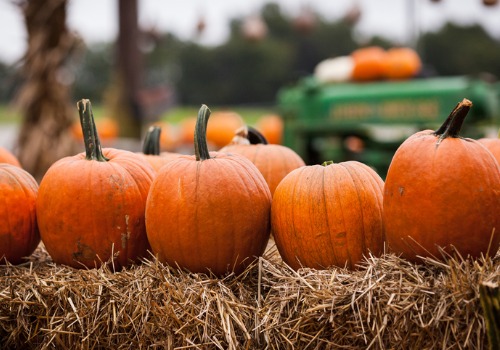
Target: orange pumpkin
[[273, 161], [223, 125], [151, 149], [271, 126], [18, 229], [442, 190], [169, 136], [210, 211], [108, 129], [186, 133], [90, 207], [326, 215], [401, 63], [7, 157], [369, 63], [493, 145]]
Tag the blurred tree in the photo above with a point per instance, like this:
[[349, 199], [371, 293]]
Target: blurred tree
[[44, 97], [122, 97], [459, 50]]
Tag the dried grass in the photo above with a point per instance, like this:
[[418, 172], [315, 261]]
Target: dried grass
[[387, 303]]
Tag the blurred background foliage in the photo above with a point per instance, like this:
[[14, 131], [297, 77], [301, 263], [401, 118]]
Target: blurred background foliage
[[249, 71]]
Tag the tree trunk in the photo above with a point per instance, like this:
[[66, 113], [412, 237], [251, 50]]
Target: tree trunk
[[44, 97], [122, 95]]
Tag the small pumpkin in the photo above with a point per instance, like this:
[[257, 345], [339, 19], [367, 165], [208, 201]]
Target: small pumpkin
[[273, 161], [151, 149], [90, 207], [209, 211], [328, 215], [19, 234], [271, 126], [223, 125], [369, 63], [401, 63], [7, 157], [442, 190]]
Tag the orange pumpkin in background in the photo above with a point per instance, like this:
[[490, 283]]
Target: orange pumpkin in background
[[108, 129], [273, 161], [186, 130], [401, 63], [493, 145], [271, 126], [223, 125], [369, 63], [7, 157], [169, 136], [151, 149]]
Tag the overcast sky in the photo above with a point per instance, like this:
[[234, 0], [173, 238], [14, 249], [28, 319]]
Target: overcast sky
[[96, 20]]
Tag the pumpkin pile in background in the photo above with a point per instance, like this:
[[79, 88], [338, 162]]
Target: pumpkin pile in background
[[371, 63]]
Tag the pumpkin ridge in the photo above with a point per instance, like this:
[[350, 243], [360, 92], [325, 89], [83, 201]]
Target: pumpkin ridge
[[356, 185], [327, 216]]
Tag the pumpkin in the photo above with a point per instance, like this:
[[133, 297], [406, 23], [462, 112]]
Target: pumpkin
[[271, 126], [19, 235], [223, 125], [108, 129], [151, 149], [442, 190], [369, 63], [90, 207], [328, 215], [401, 63], [209, 211], [273, 161], [186, 133], [493, 145], [169, 136], [7, 157]]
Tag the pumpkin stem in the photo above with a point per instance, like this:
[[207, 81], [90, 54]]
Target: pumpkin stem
[[151, 144], [328, 162], [93, 149], [255, 137], [200, 134], [452, 125]]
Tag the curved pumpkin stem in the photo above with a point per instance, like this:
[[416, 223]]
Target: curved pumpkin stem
[[151, 144], [93, 149], [328, 162], [200, 134], [453, 124], [255, 137]]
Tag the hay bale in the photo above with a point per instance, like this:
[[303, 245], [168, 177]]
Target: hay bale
[[387, 303]]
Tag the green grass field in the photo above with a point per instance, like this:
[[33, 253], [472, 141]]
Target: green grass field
[[250, 114]]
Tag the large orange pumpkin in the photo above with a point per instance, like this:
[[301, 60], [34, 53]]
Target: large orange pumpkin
[[90, 207], [273, 161], [209, 211], [7, 157], [330, 214], [151, 149], [18, 228], [442, 190], [369, 63], [401, 63]]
